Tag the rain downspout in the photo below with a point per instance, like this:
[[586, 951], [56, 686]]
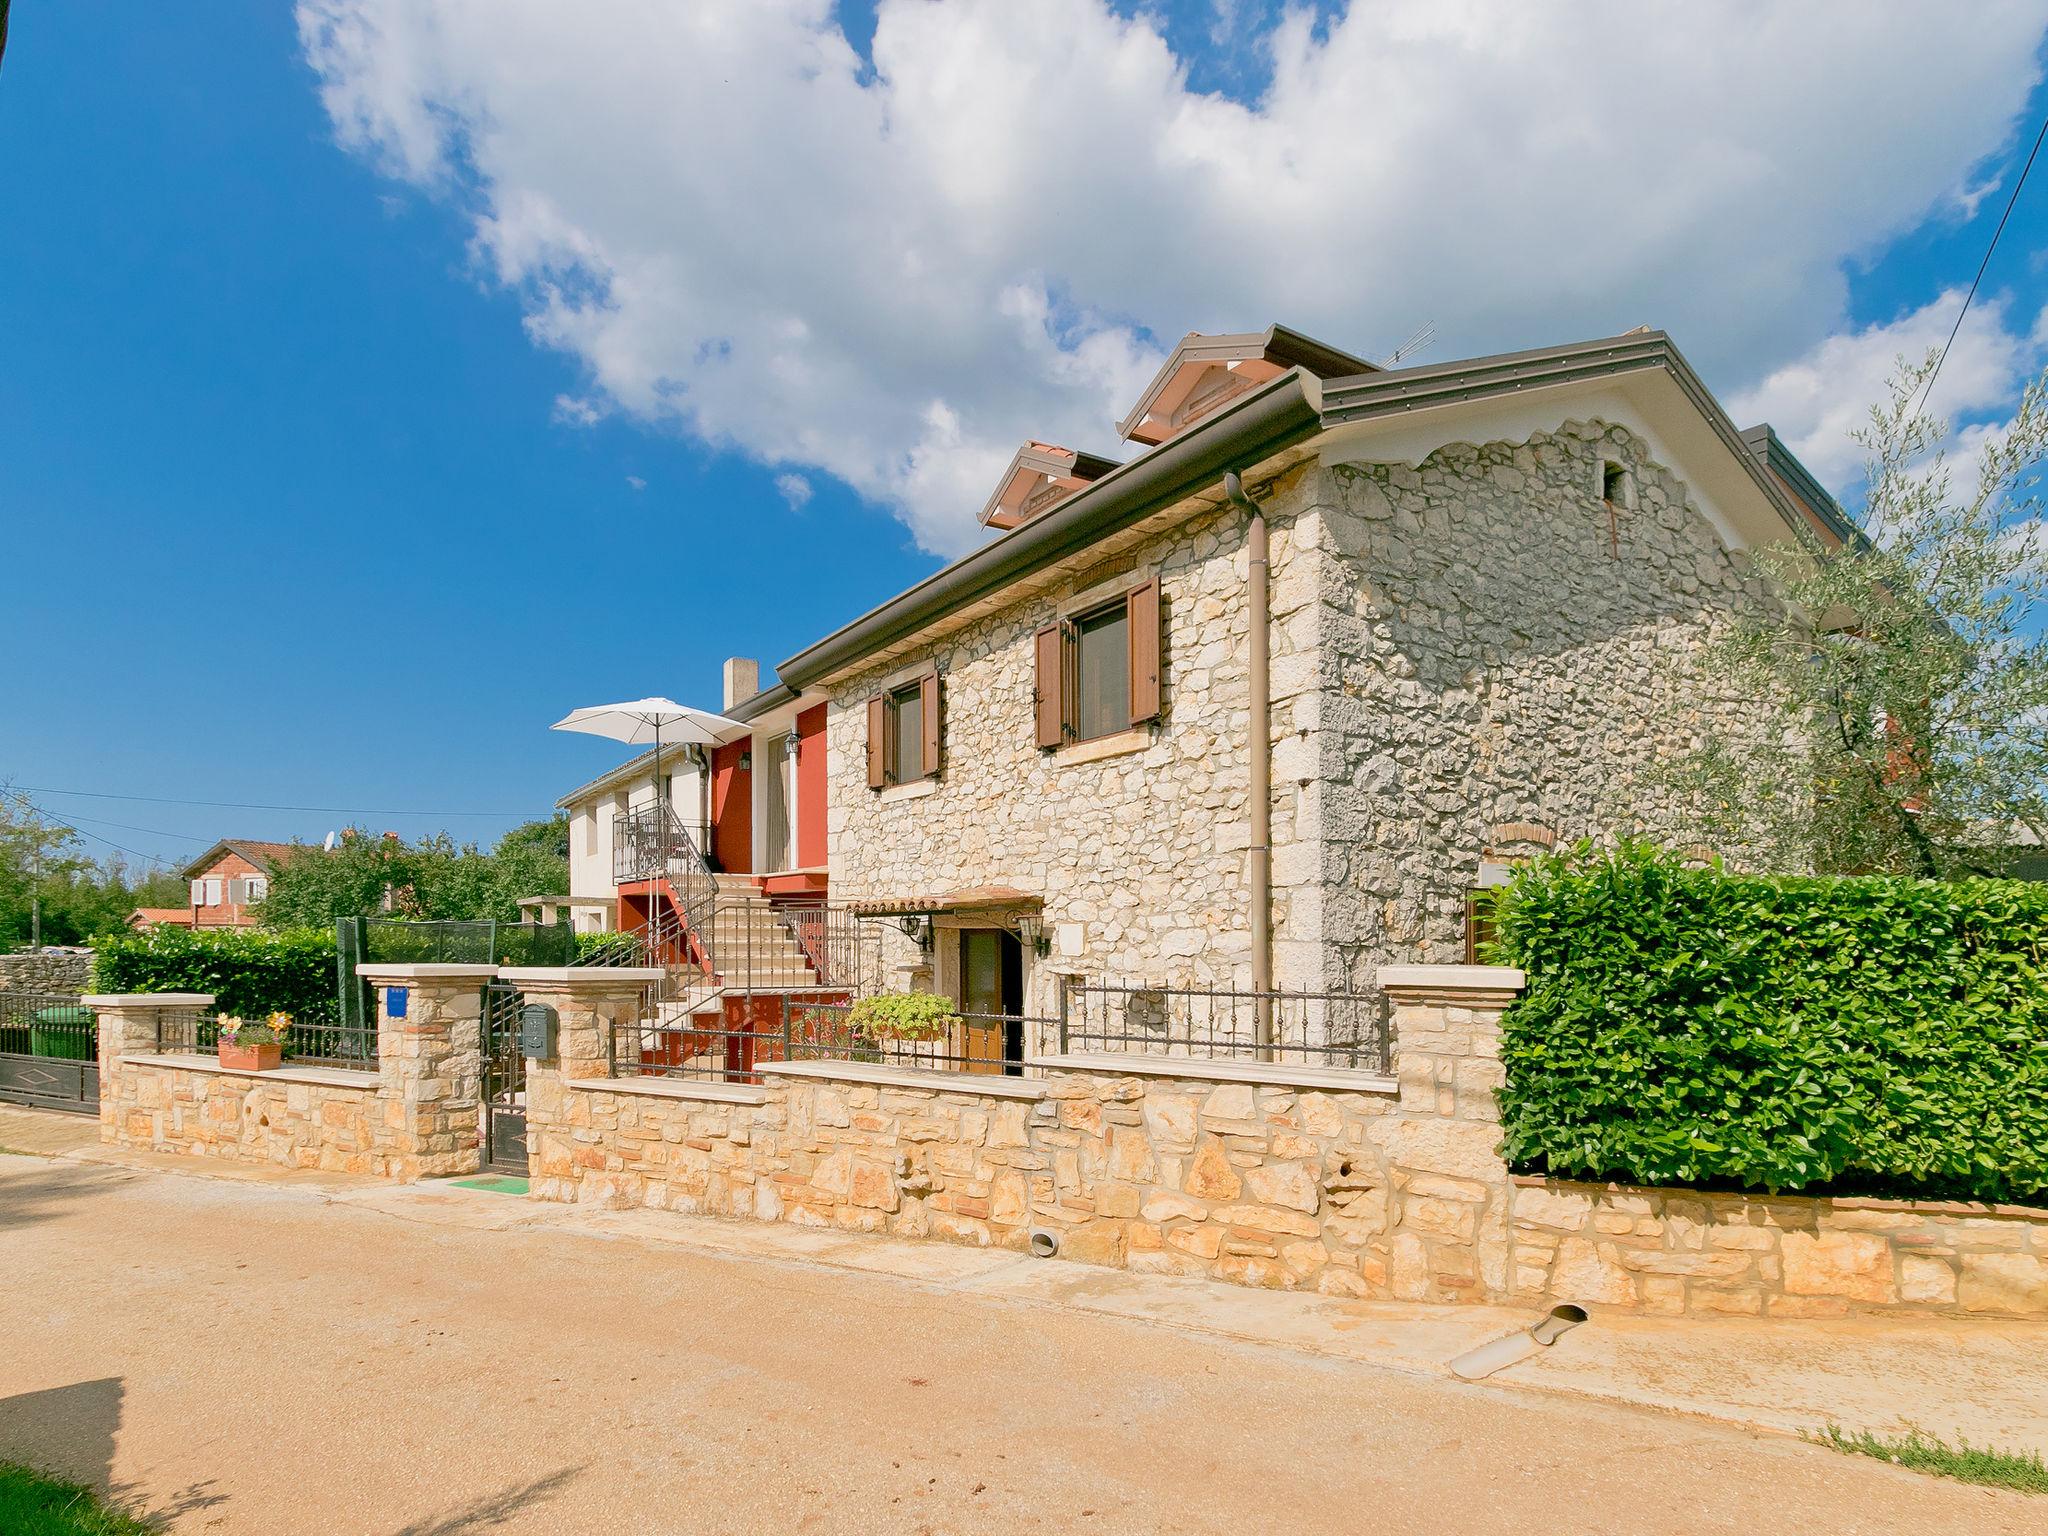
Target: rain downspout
[[1259, 744]]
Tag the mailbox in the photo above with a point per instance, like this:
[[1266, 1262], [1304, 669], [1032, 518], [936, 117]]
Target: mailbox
[[395, 999], [537, 1026]]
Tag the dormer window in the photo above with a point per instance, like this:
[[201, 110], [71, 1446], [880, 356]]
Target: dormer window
[[1041, 476], [1206, 373]]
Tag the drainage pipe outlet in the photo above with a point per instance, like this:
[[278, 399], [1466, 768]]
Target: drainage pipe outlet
[[1476, 1364]]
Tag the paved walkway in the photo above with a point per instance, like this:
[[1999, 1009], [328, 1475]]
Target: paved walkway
[[284, 1354]]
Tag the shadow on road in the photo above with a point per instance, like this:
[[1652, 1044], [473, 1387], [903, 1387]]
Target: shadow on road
[[39, 1192], [493, 1509], [68, 1432]]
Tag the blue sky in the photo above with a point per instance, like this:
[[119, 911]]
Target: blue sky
[[322, 490]]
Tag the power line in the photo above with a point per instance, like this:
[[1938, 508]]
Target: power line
[[65, 821], [247, 805], [1986, 262]]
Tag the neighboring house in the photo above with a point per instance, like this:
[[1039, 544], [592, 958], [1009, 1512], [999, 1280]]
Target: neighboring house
[[225, 882], [1481, 588]]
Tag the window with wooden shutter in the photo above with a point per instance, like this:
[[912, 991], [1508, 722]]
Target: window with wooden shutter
[[1144, 652], [928, 712], [878, 742], [1049, 694]]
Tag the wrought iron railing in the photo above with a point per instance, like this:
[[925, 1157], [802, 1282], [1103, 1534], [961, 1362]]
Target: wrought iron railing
[[748, 1031], [1343, 1030], [188, 1031], [651, 843]]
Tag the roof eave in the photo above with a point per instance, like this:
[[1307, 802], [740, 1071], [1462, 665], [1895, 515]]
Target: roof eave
[[1274, 416]]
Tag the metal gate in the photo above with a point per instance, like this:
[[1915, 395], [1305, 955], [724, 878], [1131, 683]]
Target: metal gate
[[49, 1051], [504, 1080]]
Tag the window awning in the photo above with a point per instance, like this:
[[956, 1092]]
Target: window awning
[[979, 898]]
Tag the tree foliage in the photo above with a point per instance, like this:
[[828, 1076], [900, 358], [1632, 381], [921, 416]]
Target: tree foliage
[[435, 878], [1686, 1026], [43, 861], [1915, 662]]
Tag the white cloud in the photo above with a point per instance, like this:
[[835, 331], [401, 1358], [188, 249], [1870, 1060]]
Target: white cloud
[[574, 411], [893, 276], [1818, 402], [794, 489], [636, 482]]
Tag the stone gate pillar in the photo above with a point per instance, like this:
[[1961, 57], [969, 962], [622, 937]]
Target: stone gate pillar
[[589, 1000], [1452, 1204], [430, 1067], [128, 1027]]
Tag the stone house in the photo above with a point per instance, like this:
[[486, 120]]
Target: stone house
[[1264, 704]]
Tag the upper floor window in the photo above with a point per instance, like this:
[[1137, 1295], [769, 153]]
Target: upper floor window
[[1098, 669], [903, 733]]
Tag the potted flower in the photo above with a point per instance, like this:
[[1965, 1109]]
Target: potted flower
[[253, 1045]]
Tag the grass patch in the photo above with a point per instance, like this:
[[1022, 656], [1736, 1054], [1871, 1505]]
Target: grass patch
[[1918, 1451], [32, 1504]]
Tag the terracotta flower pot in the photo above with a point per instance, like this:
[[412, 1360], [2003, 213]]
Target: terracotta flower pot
[[252, 1058]]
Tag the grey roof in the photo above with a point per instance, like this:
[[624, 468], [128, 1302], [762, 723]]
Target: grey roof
[[1267, 420]]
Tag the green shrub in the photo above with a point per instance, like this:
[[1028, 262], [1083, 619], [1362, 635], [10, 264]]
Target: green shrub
[[1685, 1026], [249, 971]]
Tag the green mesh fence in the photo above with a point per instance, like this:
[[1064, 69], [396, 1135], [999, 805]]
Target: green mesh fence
[[385, 941]]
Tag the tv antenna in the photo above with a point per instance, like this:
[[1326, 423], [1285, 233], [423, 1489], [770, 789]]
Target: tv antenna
[[1410, 347]]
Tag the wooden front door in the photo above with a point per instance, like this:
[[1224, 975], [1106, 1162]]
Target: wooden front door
[[991, 997]]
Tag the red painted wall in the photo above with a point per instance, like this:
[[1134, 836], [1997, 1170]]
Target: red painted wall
[[810, 788], [732, 808]]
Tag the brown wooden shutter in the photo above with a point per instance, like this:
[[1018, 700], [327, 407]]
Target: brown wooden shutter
[[878, 745], [928, 713], [1052, 709], [1144, 632]]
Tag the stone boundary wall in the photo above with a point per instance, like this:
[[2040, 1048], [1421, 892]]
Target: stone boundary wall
[[294, 1119], [1693, 1252], [1261, 1175], [57, 971], [417, 1116]]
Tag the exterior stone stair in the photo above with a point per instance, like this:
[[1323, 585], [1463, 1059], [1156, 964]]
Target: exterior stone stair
[[749, 945]]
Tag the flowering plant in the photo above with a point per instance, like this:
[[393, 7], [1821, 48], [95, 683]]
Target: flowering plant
[[236, 1030]]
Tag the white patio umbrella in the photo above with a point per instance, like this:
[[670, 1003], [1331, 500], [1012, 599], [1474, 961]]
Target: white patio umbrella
[[647, 720]]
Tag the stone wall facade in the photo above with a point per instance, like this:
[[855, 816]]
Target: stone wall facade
[[1467, 653], [48, 970], [1501, 656], [1692, 1252], [1142, 856]]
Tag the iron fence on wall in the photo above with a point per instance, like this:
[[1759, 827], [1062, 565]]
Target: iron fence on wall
[[186, 1031], [744, 1031], [1343, 1030]]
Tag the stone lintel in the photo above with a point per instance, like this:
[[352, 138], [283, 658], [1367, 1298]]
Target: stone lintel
[[148, 1000], [580, 978], [988, 1084], [386, 972], [1456, 986], [1279, 1074]]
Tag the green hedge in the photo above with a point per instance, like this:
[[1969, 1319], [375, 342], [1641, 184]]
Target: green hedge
[[251, 971], [1686, 1026]]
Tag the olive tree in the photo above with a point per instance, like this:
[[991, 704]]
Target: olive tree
[[1910, 665]]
